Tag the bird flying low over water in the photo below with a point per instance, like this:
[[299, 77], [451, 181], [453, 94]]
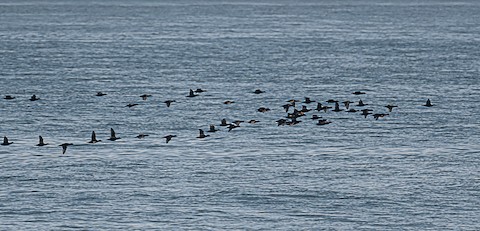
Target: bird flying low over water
[[337, 107], [145, 96], [131, 105], [361, 104], [94, 138], [5, 141], [359, 93], [100, 93], [202, 134], [141, 136], [112, 135], [34, 98], [200, 90], [263, 109], [347, 104], [428, 104], [390, 107], [307, 100], [40, 141], [191, 94], [232, 126], [366, 112], [8, 97], [281, 122], [64, 147], [168, 138], [168, 102], [379, 115], [224, 122], [258, 91], [228, 102], [323, 122], [253, 121], [212, 128]]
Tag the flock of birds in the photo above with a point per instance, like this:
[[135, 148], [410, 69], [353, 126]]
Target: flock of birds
[[290, 119]]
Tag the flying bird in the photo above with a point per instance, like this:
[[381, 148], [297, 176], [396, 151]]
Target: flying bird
[[168, 102], [40, 141], [428, 104], [168, 138], [112, 135], [202, 134], [94, 138], [64, 147], [5, 141]]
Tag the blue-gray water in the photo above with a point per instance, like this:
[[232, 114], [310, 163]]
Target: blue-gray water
[[416, 169]]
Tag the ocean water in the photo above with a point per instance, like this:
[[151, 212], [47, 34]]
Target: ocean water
[[416, 169]]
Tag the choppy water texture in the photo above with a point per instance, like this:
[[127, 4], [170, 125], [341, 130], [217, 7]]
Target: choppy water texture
[[416, 169]]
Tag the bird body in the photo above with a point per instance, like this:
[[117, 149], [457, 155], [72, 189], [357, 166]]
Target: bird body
[[40, 141], [428, 104], [112, 135], [64, 147], [168, 138], [202, 134], [5, 141], [94, 138]]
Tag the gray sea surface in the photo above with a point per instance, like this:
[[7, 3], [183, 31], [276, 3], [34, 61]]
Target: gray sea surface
[[416, 169]]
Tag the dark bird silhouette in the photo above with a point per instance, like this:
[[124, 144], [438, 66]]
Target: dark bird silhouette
[[361, 104], [337, 107], [323, 122], [332, 101], [34, 98], [315, 117], [253, 121], [305, 109], [281, 122], [40, 141], [168, 102], [202, 134], [351, 110], [212, 128], [168, 138], [100, 93], [224, 122], [263, 109], [131, 105], [307, 100], [8, 97], [228, 102], [200, 90], [390, 107], [145, 96], [379, 115], [359, 93], [428, 104], [191, 94], [347, 104], [64, 147], [286, 107], [112, 135], [293, 121], [141, 136], [237, 122], [258, 91], [320, 107], [366, 112], [5, 141], [94, 138], [232, 126]]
